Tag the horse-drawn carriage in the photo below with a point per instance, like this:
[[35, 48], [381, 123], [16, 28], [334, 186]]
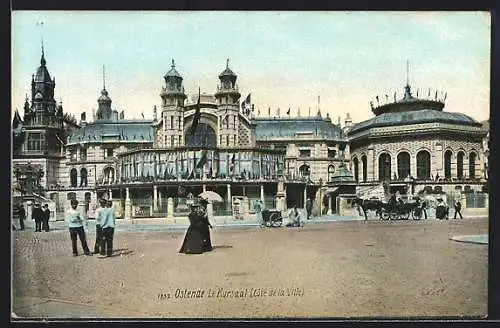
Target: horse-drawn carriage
[[392, 210]]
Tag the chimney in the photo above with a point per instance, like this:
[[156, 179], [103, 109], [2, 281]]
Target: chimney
[[83, 119], [348, 120]]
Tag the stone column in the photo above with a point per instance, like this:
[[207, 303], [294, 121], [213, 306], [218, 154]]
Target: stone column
[[370, 166], [262, 193], [110, 194], [204, 187], [329, 212], [229, 194], [305, 196], [155, 198], [128, 205], [170, 210], [159, 197]]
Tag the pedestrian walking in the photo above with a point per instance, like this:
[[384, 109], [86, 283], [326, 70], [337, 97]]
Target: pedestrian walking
[[45, 217], [100, 214], [458, 208], [309, 206], [75, 224], [108, 230], [21, 215], [38, 217]]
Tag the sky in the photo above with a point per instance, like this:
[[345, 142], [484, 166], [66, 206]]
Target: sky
[[335, 61]]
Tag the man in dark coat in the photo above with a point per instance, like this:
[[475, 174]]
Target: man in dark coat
[[37, 215], [45, 217], [21, 215], [458, 208]]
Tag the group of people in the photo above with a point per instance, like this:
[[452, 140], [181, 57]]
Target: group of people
[[41, 215], [197, 239], [105, 227], [442, 210]]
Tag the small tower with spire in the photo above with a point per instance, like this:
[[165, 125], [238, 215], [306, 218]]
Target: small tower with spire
[[172, 108], [43, 120], [228, 104], [104, 111]]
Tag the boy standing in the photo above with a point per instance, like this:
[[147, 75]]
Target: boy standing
[[108, 229], [75, 224]]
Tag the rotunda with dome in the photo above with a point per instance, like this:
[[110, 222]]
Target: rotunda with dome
[[413, 144]]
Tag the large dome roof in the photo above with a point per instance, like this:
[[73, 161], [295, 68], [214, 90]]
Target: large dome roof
[[414, 117]]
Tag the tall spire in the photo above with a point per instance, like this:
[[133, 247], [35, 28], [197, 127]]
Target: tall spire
[[173, 63], [42, 60], [227, 63], [103, 78]]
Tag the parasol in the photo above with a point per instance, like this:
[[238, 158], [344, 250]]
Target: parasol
[[211, 196]]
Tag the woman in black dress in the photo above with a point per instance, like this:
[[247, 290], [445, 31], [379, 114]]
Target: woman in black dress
[[193, 241]]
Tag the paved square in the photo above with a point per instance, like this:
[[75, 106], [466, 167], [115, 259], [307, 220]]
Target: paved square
[[340, 269]]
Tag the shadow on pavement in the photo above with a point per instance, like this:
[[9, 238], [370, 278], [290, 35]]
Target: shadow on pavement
[[222, 246]]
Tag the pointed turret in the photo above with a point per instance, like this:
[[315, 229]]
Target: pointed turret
[[104, 110]]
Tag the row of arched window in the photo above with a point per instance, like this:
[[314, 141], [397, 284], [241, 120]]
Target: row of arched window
[[304, 171], [423, 166], [108, 177]]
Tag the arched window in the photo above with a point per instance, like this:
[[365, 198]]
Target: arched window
[[204, 136], [460, 165], [83, 177], [384, 167], [423, 165], [109, 175], [403, 165], [71, 195], [472, 165], [331, 171], [355, 166], [73, 177], [365, 166], [304, 171], [447, 164]]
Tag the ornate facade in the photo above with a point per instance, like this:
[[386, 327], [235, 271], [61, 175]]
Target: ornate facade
[[148, 166]]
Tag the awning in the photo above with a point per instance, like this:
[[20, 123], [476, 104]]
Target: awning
[[327, 191]]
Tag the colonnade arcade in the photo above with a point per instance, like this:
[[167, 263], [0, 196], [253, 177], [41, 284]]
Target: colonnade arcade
[[200, 164], [456, 165]]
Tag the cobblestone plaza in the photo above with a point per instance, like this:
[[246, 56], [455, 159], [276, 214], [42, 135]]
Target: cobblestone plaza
[[337, 269]]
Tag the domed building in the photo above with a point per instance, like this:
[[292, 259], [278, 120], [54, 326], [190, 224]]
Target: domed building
[[414, 144]]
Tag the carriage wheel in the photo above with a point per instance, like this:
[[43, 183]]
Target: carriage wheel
[[416, 215], [404, 216], [393, 215], [385, 215], [274, 220]]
